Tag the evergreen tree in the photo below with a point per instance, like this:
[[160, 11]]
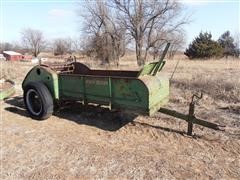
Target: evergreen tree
[[204, 47], [227, 43]]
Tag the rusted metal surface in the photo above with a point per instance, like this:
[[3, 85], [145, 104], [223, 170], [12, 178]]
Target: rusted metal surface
[[84, 70], [77, 68], [195, 99], [61, 68]]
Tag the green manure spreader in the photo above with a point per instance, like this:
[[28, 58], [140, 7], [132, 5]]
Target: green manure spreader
[[142, 92]]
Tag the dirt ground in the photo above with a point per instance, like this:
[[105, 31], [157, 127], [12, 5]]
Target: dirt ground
[[95, 143]]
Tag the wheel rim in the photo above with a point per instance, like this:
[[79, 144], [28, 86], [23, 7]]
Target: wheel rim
[[34, 102]]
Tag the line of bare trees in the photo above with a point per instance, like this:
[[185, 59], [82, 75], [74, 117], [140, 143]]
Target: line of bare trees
[[34, 42], [112, 26], [147, 24]]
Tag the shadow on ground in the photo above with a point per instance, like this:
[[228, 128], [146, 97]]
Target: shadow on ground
[[91, 115]]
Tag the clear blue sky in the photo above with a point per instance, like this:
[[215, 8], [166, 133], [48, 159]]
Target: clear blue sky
[[59, 19]]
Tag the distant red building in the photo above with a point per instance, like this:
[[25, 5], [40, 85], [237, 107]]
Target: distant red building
[[27, 57], [12, 56]]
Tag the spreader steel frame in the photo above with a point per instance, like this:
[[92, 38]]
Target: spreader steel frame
[[143, 92]]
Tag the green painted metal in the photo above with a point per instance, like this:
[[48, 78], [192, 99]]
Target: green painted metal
[[5, 93], [155, 67], [143, 95], [160, 64], [45, 75], [116, 92], [147, 69], [158, 92], [110, 92]]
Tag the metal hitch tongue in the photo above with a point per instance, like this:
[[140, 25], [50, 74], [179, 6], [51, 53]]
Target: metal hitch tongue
[[195, 99], [190, 117]]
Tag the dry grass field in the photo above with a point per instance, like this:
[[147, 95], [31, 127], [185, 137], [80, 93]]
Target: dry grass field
[[96, 143]]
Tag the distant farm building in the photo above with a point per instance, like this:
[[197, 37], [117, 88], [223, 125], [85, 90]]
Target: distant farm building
[[27, 57], [12, 56]]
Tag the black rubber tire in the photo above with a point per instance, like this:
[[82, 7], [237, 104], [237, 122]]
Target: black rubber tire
[[44, 97]]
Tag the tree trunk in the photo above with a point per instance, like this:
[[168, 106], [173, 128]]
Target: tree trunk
[[35, 53], [140, 58], [145, 54]]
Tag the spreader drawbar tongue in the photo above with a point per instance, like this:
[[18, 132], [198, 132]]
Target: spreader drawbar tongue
[[190, 117]]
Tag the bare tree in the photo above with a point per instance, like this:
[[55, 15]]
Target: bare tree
[[5, 46], [77, 45], [106, 35], [148, 22], [237, 44], [62, 46], [178, 42], [33, 40]]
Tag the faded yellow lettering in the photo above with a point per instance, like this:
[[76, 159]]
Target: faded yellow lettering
[[96, 82]]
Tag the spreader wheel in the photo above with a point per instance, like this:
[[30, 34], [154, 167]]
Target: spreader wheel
[[38, 100]]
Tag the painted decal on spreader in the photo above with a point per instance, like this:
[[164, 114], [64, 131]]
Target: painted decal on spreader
[[96, 82]]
